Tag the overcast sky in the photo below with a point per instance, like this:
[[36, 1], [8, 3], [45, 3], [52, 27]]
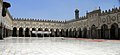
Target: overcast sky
[[56, 9]]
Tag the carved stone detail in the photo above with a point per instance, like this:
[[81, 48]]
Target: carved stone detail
[[118, 17], [113, 18], [103, 20], [108, 19]]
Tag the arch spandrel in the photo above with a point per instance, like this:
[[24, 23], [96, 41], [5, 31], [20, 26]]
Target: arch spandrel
[[17, 28], [30, 29]]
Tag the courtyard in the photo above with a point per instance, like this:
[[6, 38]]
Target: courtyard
[[58, 46]]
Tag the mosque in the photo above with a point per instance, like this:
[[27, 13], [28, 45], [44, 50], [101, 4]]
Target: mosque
[[96, 24]]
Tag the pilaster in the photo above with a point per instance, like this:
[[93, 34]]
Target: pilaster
[[17, 33], [109, 33], [99, 34]]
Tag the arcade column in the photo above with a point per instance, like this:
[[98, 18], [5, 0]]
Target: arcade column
[[109, 33], [10, 32], [88, 34], [30, 33], [17, 33], [77, 34], [96, 34], [99, 33]]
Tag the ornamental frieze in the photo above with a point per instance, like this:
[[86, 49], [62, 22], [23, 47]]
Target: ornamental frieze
[[113, 18], [118, 17], [103, 20], [99, 21], [108, 19]]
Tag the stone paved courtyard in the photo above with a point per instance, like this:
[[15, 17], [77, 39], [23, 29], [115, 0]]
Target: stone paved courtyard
[[57, 46]]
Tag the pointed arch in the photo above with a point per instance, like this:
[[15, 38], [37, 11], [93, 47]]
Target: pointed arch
[[57, 33], [84, 32], [62, 33], [27, 31], [14, 33], [33, 34], [93, 32], [46, 35], [104, 32], [21, 32], [74, 33], [70, 33], [52, 33], [40, 35], [67, 33], [114, 31], [80, 33]]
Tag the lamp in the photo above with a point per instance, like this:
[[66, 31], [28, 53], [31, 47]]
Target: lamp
[[4, 9]]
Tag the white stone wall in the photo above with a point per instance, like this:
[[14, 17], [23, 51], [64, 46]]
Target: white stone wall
[[91, 19], [7, 20], [33, 24]]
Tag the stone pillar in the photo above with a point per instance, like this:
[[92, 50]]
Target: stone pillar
[[64, 33], [82, 34], [54, 34], [88, 34], [30, 33], [67, 34], [10, 32], [77, 34], [99, 34], [109, 33], [72, 34], [17, 33]]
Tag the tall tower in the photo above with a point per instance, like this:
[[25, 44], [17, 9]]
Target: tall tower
[[76, 14]]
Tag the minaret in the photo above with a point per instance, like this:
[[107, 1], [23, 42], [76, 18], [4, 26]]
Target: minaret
[[76, 14]]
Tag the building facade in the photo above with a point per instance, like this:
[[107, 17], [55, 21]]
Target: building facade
[[96, 24], [5, 22]]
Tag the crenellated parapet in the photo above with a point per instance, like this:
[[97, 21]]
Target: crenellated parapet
[[110, 11], [98, 12], [94, 13], [80, 18], [83, 17], [38, 20]]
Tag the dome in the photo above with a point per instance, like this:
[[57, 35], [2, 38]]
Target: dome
[[76, 10]]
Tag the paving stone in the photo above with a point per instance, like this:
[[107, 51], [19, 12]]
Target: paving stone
[[50, 46]]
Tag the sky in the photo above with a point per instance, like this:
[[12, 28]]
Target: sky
[[56, 9]]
